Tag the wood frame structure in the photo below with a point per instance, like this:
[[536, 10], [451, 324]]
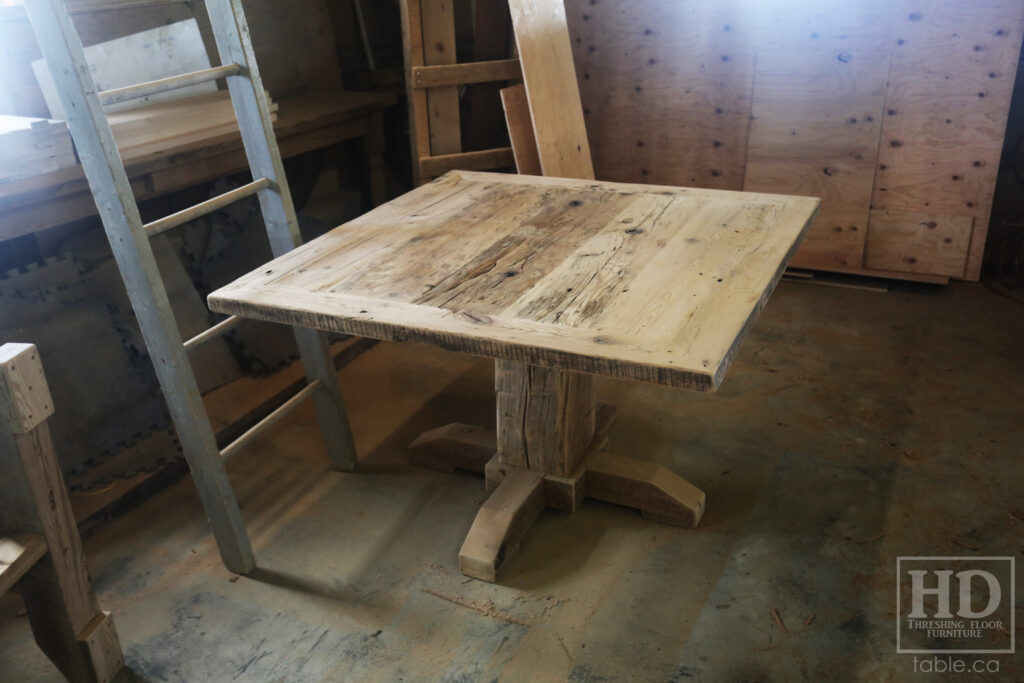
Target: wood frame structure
[[40, 550], [129, 241], [432, 80]]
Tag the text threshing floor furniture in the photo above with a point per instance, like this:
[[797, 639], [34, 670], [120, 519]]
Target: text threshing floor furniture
[[558, 280]]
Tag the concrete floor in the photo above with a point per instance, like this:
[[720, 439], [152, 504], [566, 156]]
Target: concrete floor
[[853, 428]]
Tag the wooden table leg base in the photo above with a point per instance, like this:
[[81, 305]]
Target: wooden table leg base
[[520, 494], [454, 446], [467, 447], [501, 523], [660, 494]]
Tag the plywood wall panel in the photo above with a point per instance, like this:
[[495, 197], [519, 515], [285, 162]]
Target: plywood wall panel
[[918, 242], [665, 89], [952, 73], [816, 119], [669, 88]]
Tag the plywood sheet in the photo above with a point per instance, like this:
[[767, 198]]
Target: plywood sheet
[[918, 242], [952, 75], [666, 89], [816, 118]]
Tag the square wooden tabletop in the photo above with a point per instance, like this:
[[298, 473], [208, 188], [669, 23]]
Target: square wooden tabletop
[[639, 282]]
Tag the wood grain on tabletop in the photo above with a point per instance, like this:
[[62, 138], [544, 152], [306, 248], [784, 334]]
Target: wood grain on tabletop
[[639, 282]]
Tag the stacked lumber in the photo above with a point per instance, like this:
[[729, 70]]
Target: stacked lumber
[[31, 146], [158, 127]]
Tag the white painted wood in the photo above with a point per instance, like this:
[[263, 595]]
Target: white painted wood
[[62, 50], [203, 208], [129, 239], [147, 91]]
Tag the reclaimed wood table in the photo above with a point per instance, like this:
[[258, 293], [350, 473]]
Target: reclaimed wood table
[[558, 280]]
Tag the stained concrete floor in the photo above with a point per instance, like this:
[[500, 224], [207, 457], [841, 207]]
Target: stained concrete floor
[[854, 427]]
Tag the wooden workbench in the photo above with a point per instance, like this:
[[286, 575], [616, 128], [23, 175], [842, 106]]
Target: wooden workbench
[[305, 122], [558, 280]]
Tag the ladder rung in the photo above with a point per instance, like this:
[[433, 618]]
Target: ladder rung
[[130, 92], [203, 208], [269, 420], [212, 333]]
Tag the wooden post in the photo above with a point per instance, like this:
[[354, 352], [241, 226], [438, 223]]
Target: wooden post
[[65, 617], [412, 41], [373, 148], [545, 417], [438, 17]]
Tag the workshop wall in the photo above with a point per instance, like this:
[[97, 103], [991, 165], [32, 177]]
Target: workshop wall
[[893, 112]]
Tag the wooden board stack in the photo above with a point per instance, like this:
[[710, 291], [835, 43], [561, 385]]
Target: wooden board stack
[[31, 146]]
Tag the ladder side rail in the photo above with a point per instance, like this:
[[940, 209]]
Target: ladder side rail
[[234, 43]]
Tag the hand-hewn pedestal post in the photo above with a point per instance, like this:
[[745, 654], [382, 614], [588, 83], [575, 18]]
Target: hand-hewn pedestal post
[[545, 417]]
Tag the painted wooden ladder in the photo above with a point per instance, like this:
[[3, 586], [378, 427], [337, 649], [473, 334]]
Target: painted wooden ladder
[[129, 240]]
